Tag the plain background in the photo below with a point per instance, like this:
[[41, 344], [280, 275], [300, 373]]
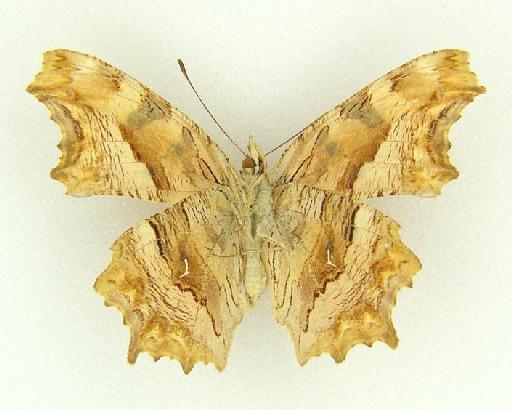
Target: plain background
[[266, 68]]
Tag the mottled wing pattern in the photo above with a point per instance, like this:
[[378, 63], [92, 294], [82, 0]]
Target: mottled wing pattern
[[335, 264], [341, 263], [175, 276], [120, 138], [390, 137], [335, 280], [176, 279]]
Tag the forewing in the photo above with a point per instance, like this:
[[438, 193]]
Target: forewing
[[175, 277], [390, 137], [120, 138], [337, 272]]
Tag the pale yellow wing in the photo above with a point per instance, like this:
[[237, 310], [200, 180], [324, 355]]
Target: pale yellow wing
[[336, 273], [120, 138], [176, 279], [390, 137]]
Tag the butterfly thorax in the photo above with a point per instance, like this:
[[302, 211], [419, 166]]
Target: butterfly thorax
[[258, 218]]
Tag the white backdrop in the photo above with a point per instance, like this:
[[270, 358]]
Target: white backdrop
[[266, 68]]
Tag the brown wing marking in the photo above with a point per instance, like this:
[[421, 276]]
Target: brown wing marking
[[175, 277], [120, 138], [389, 138], [336, 277]]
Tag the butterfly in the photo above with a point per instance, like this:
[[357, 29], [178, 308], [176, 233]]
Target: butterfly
[[184, 277]]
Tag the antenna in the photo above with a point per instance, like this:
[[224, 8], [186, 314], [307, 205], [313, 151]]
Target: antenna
[[184, 71], [285, 142]]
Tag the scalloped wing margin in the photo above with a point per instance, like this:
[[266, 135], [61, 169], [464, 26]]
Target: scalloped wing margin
[[389, 138], [120, 138], [336, 284], [175, 277]]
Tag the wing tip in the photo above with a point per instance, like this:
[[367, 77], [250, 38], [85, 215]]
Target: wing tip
[[36, 86]]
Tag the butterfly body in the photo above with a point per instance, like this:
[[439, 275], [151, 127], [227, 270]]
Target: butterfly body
[[258, 221], [184, 277]]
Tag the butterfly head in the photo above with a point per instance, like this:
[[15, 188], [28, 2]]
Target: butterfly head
[[254, 161]]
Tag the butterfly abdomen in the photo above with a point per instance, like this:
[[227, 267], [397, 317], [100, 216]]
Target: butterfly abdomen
[[255, 278]]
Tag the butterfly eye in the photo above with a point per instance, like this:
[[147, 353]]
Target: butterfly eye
[[248, 162]]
